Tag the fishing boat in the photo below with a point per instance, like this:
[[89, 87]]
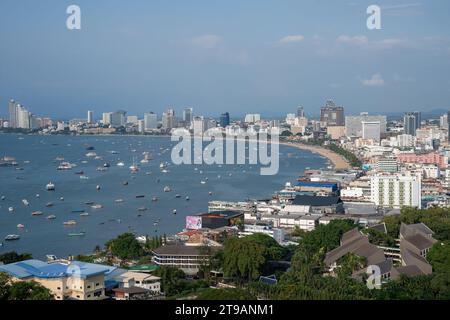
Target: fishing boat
[[61, 198], [106, 165], [140, 196], [177, 196], [36, 213], [91, 154], [20, 226], [167, 189], [120, 164], [76, 234], [174, 211], [49, 204], [187, 198], [98, 187], [70, 223], [84, 214], [11, 209], [51, 217], [12, 237], [119, 200], [38, 195], [25, 202], [97, 206], [142, 209], [125, 183], [50, 186], [203, 182], [210, 193]]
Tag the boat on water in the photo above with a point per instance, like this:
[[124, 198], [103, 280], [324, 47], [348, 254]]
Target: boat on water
[[89, 203], [167, 189], [49, 204], [147, 157], [210, 193], [25, 202], [142, 209], [119, 200], [20, 226], [79, 173], [178, 195], [51, 217], [36, 213], [83, 177], [12, 237], [106, 165], [78, 211], [98, 187], [90, 148], [76, 234], [61, 198], [125, 183], [174, 211], [65, 166], [97, 206], [203, 182], [187, 198], [140, 196], [120, 164], [11, 209], [84, 214], [91, 154], [59, 158], [162, 165], [155, 199], [50, 186], [70, 223], [102, 169]]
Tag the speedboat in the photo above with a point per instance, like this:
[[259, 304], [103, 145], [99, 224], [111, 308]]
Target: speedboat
[[49, 204], [11, 209], [97, 206], [174, 211], [50, 186], [202, 182], [155, 199], [119, 200], [142, 209], [167, 189], [36, 213], [84, 214], [70, 223], [177, 196], [120, 164], [25, 202], [51, 217], [11, 237], [20, 226], [65, 166], [187, 198], [91, 154]]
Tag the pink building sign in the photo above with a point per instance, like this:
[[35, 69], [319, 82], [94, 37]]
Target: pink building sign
[[193, 222]]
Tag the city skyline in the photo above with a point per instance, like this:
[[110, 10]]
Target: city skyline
[[200, 59]]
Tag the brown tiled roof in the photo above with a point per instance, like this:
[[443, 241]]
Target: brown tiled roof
[[420, 242]]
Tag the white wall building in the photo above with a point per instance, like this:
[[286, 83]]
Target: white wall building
[[396, 191]]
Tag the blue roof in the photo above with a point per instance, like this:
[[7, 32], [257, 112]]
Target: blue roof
[[40, 269]]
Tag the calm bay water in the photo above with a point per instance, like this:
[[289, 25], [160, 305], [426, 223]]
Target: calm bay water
[[42, 236]]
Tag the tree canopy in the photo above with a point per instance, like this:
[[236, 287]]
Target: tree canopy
[[125, 247]]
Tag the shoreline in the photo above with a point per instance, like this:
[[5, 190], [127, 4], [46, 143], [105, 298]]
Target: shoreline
[[338, 161]]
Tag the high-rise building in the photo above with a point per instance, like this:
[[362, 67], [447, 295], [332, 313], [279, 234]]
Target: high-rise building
[[23, 117], [199, 125], [188, 114], [150, 121], [168, 119], [90, 117], [396, 191], [332, 115], [412, 122], [106, 118], [224, 119], [371, 130], [118, 118], [300, 112], [448, 124], [12, 108], [353, 124], [133, 120]]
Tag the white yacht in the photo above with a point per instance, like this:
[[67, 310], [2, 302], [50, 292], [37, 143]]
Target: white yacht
[[11, 237], [50, 186], [167, 189]]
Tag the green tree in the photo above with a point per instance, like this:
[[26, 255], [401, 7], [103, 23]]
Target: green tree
[[29, 290], [439, 256], [11, 257], [125, 247], [225, 294]]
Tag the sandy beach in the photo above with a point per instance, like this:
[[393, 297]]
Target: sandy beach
[[338, 161]]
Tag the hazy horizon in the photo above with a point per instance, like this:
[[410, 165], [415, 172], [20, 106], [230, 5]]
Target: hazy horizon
[[215, 56]]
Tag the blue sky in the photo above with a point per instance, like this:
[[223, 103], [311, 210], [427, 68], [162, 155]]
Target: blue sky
[[265, 56]]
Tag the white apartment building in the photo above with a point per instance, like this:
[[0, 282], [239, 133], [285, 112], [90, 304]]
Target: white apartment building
[[396, 191]]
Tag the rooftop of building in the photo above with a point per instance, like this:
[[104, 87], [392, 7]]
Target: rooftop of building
[[306, 200], [39, 269]]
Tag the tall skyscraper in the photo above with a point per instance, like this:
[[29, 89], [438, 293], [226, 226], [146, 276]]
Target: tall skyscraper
[[90, 117], [353, 124], [12, 108], [118, 118], [224, 119], [168, 119], [188, 114], [252, 118], [448, 124], [332, 115], [412, 122], [150, 121], [300, 112], [106, 118]]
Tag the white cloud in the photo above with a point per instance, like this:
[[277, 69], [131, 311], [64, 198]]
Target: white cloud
[[355, 40], [292, 38], [375, 81], [207, 41]]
